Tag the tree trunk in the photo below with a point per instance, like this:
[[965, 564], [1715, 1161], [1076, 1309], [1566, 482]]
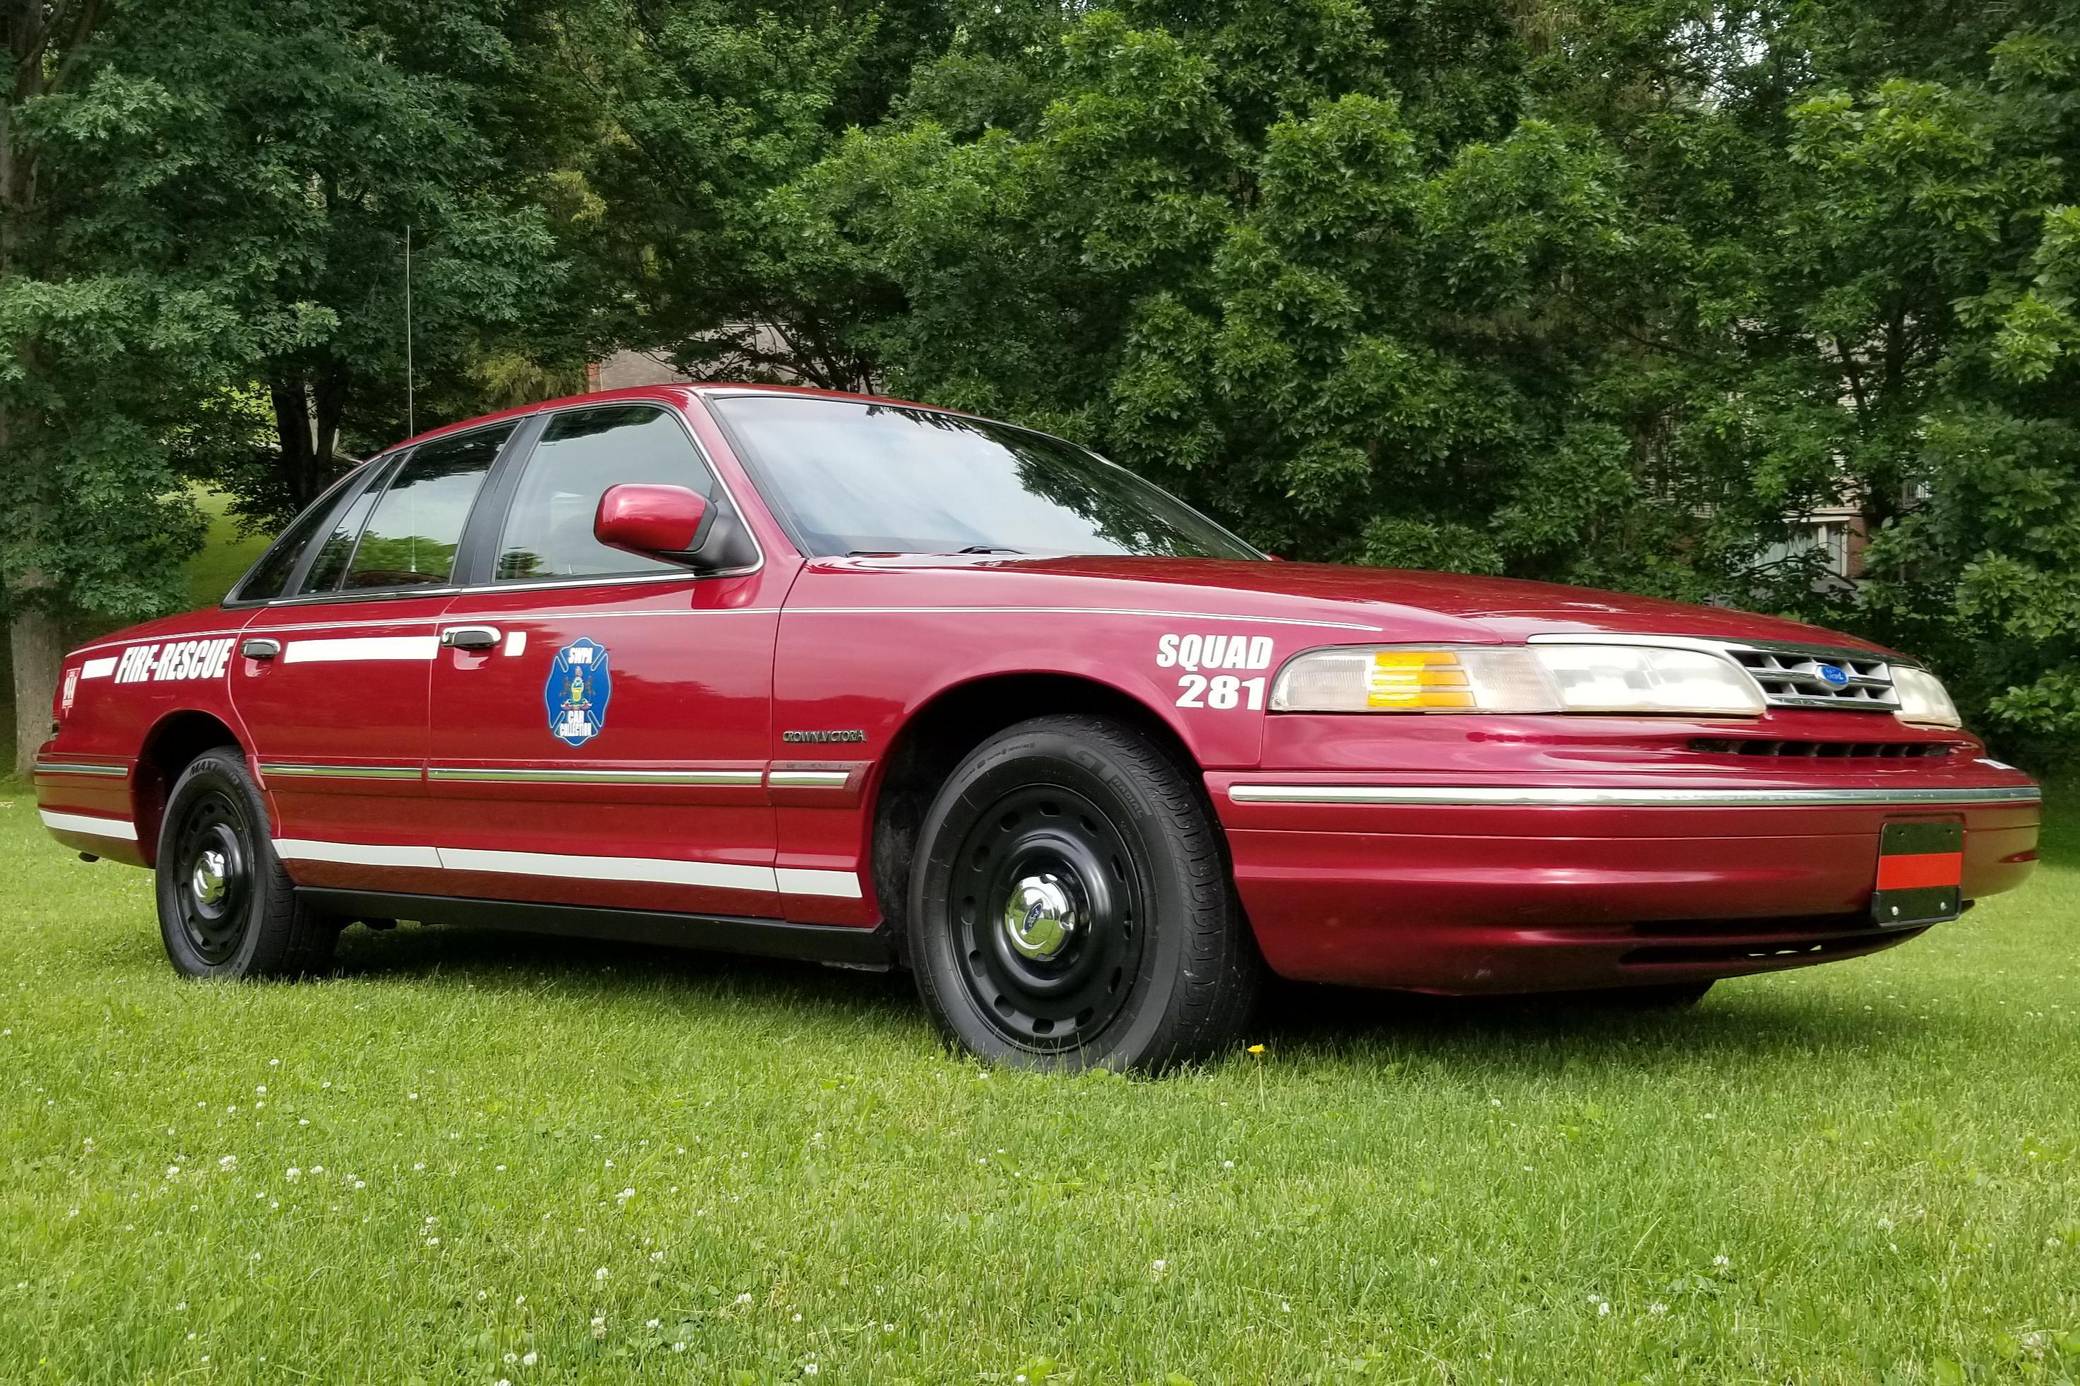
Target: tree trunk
[[37, 647], [292, 426]]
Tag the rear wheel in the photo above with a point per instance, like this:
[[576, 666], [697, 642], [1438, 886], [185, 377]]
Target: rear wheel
[[1071, 907], [226, 907]]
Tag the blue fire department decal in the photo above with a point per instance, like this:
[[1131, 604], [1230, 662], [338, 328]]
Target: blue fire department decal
[[577, 692]]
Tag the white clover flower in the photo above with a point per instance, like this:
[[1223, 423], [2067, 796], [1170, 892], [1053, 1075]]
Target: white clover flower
[[600, 1274], [652, 1323], [292, 1174], [624, 1196], [172, 1170], [227, 1162], [678, 1347], [528, 1359], [744, 1298], [1657, 1308], [1722, 1260]]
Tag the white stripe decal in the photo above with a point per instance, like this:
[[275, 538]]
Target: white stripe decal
[[839, 885], [98, 668], [120, 828], [657, 870], [361, 647], [356, 853]]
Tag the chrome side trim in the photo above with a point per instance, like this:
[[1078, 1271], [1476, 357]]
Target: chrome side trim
[[72, 767], [501, 775], [808, 779], [290, 770], [1587, 796]]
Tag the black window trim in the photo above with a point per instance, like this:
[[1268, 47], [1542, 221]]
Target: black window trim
[[780, 513]]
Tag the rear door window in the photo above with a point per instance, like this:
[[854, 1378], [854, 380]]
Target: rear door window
[[271, 574], [408, 536]]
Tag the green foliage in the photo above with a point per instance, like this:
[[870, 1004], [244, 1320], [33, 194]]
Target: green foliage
[[1610, 294]]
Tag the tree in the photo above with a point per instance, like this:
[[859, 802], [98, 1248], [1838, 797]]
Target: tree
[[310, 141], [1609, 294], [101, 348], [707, 108]]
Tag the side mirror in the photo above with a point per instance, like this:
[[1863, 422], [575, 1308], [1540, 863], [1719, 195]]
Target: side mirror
[[656, 521]]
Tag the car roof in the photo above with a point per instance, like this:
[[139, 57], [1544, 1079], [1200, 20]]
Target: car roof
[[676, 395]]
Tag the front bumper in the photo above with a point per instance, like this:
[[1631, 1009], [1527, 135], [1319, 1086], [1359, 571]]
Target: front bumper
[[1391, 881]]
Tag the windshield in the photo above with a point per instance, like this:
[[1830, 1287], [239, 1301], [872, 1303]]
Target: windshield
[[847, 477]]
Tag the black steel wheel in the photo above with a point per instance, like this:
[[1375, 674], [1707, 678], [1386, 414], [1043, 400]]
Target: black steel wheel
[[1049, 906], [1071, 904], [212, 875], [226, 906]]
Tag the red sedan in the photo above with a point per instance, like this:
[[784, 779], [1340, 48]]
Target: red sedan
[[846, 678]]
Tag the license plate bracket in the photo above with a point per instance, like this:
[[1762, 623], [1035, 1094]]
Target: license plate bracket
[[1920, 873]]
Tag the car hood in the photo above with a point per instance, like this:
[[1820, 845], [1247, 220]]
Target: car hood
[[1404, 604]]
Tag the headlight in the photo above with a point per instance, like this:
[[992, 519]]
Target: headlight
[[1922, 698], [1516, 678]]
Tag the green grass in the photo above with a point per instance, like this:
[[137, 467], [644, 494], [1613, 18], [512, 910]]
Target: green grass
[[225, 555], [470, 1147]]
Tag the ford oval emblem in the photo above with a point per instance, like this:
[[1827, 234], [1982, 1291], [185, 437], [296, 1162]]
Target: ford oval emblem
[[1835, 674]]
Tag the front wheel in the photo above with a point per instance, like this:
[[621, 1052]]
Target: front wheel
[[1070, 906], [226, 906]]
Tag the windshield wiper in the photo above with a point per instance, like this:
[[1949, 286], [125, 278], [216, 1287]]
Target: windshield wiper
[[988, 548]]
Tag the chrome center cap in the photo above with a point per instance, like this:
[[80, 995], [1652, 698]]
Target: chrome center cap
[[1040, 917], [208, 881]]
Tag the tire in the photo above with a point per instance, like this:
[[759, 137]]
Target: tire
[[226, 907], [1070, 905]]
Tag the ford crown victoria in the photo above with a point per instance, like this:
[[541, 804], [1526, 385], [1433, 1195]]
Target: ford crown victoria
[[864, 681]]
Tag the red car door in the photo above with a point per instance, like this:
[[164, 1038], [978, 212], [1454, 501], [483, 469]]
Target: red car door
[[600, 718], [331, 681]]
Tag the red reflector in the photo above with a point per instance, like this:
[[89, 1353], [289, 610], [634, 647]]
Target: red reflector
[[1921, 872]]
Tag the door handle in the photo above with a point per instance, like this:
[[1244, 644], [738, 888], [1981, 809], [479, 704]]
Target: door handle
[[470, 637], [259, 647]]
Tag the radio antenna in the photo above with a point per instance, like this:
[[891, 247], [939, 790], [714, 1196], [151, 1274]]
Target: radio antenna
[[411, 412]]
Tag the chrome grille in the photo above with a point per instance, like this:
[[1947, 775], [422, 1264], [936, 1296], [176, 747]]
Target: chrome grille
[[1792, 676]]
